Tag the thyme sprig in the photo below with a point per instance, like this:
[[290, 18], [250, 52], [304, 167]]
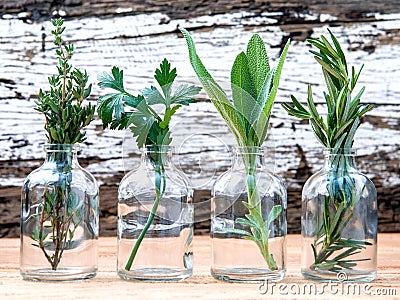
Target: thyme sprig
[[63, 105], [336, 132], [66, 115]]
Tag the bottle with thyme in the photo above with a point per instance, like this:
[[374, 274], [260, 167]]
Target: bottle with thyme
[[339, 204], [59, 200]]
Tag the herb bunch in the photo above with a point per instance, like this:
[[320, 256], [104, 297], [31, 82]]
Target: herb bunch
[[63, 107], [66, 116], [254, 86], [121, 110], [335, 132]]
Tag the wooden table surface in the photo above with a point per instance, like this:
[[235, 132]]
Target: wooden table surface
[[107, 285]]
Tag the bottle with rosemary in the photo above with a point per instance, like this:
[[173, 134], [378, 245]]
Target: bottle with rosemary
[[155, 210], [59, 201], [339, 203], [248, 208]]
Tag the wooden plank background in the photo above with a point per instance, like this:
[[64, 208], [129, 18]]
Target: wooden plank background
[[137, 35]]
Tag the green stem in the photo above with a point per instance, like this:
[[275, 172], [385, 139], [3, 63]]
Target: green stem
[[59, 210], [324, 253], [159, 179], [255, 209], [344, 198]]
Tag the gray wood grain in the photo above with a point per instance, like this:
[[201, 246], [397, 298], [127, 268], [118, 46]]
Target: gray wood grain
[[137, 37]]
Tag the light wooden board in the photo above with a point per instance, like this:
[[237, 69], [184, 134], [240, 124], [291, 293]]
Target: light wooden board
[[107, 285]]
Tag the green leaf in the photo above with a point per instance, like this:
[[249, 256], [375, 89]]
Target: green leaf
[[87, 91], [274, 213], [229, 113], [110, 106], [153, 96], [167, 116], [114, 82], [165, 77], [214, 91], [295, 112], [184, 94], [350, 136], [329, 69], [358, 96], [236, 231], [338, 48], [140, 127], [258, 62], [245, 222], [271, 97]]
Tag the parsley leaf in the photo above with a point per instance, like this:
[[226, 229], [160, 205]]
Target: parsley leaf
[[165, 75], [114, 82], [153, 96], [146, 125], [183, 94]]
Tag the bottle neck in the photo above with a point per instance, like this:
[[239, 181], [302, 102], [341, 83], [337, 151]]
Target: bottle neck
[[250, 159], [157, 157], [63, 155], [339, 159]]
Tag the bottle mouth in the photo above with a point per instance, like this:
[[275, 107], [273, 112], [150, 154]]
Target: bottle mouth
[[340, 151], [249, 150], [158, 149], [62, 147]]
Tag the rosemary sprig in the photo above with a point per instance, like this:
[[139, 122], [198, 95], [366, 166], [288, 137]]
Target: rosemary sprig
[[147, 126], [66, 115], [336, 132], [254, 86]]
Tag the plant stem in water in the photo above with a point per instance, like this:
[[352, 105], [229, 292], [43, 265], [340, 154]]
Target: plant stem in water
[[159, 180]]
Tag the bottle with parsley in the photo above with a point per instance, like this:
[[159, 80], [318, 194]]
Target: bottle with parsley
[[155, 210]]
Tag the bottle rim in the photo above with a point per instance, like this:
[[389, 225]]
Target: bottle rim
[[62, 147], [340, 151], [157, 149], [249, 150]]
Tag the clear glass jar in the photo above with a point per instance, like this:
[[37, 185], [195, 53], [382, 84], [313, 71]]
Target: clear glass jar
[[59, 219], [339, 221], [248, 221], [155, 220]]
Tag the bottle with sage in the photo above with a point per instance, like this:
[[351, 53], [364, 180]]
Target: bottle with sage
[[248, 205], [60, 199]]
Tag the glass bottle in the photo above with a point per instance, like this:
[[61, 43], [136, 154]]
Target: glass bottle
[[339, 221], [155, 220], [248, 221], [59, 219]]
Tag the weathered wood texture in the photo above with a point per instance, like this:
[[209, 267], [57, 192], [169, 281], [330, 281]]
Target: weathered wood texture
[[107, 285], [138, 36]]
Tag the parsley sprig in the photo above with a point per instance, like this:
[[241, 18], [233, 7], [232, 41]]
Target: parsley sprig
[[121, 110]]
